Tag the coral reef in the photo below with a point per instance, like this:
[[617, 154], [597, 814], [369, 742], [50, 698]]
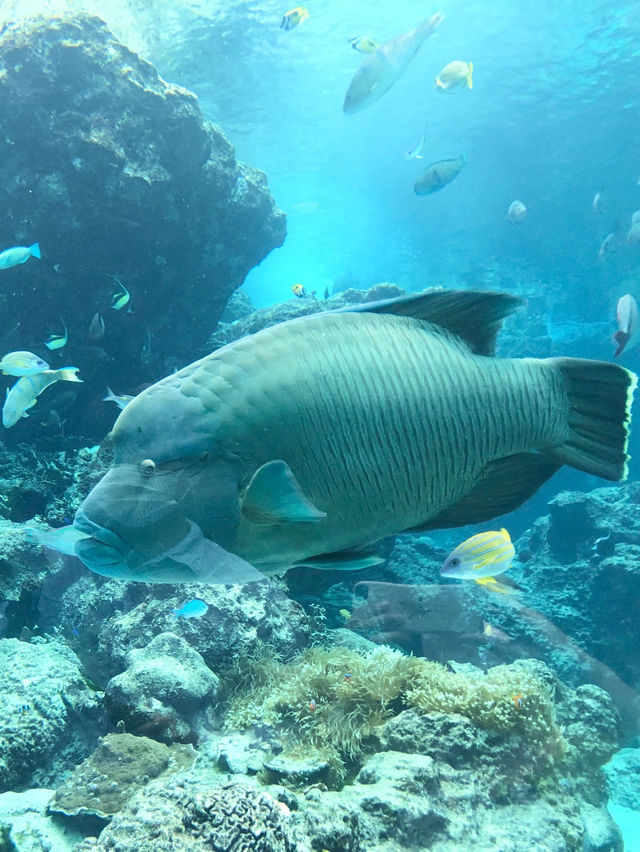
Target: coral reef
[[112, 617], [582, 571], [167, 691], [192, 816], [49, 717], [334, 699], [97, 137]]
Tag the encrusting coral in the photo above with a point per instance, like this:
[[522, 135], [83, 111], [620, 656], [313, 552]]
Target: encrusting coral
[[332, 699]]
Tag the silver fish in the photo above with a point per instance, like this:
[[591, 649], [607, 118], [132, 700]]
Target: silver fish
[[238, 465], [380, 70]]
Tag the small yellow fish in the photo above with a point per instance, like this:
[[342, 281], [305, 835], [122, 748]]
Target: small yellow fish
[[298, 290], [121, 297], [456, 73], [363, 44], [294, 17], [344, 614], [481, 558], [57, 341], [495, 633]]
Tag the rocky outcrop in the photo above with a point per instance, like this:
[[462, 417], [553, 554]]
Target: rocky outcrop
[[117, 173], [49, 716]]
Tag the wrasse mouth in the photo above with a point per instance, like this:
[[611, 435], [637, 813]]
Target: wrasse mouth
[[103, 551]]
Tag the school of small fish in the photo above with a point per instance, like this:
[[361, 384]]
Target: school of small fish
[[33, 373]]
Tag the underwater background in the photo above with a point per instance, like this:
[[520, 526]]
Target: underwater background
[[358, 746]]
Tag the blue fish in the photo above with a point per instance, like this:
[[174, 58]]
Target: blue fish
[[18, 254], [191, 609]]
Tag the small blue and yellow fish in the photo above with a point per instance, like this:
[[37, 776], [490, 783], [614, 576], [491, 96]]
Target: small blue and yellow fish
[[120, 399], [481, 558], [18, 254], [22, 364], [191, 609], [363, 44], [57, 341], [121, 297], [299, 291], [294, 17]]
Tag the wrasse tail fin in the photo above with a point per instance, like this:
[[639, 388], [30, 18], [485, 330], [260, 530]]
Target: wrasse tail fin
[[600, 396], [470, 76], [505, 485]]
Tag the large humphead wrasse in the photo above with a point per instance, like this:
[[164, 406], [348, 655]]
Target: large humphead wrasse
[[311, 440]]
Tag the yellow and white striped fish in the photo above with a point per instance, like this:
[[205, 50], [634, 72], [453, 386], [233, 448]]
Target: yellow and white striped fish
[[480, 558]]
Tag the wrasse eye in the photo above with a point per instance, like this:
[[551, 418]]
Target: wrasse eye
[[147, 466], [454, 562]]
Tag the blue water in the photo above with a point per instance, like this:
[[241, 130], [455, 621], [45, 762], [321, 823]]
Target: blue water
[[544, 74], [551, 120]]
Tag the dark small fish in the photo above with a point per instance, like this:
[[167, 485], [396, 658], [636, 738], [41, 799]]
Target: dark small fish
[[326, 292], [627, 316], [96, 327]]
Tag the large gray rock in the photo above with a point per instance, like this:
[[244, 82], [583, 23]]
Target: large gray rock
[[165, 692], [116, 172], [49, 717]]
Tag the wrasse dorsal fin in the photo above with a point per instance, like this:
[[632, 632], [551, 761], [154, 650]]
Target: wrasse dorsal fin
[[274, 496], [474, 315]]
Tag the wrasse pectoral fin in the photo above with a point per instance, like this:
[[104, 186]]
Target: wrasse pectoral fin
[[274, 496], [351, 560]]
